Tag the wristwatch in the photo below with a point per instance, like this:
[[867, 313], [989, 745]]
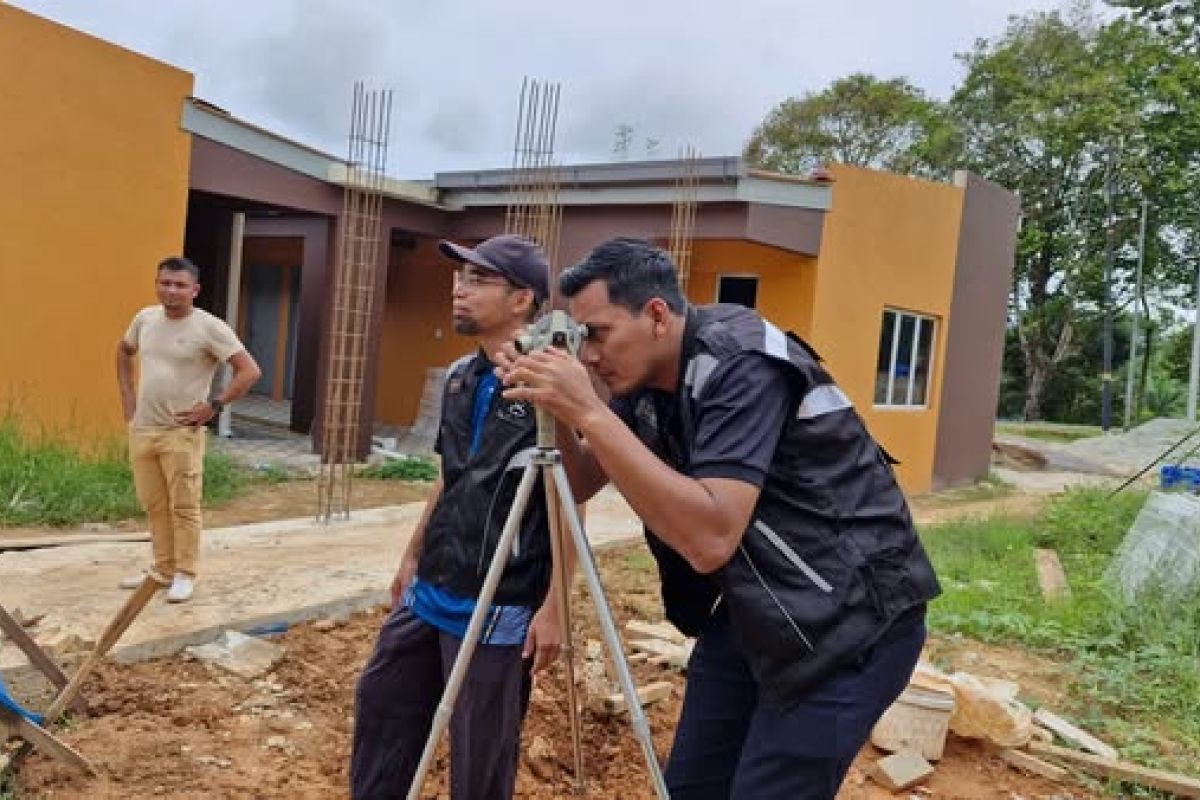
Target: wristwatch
[[216, 405]]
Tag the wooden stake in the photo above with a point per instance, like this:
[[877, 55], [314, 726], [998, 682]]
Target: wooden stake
[[125, 617], [13, 724], [13, 630]]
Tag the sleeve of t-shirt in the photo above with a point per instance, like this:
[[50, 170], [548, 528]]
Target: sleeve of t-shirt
[[740, 416], [223, 343], [134, 330]]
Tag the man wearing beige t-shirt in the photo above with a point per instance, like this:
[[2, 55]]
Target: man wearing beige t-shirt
[[180, 348]]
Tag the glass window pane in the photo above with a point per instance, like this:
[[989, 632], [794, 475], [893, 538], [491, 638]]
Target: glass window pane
[[883, 367], [902, 369], [924, 356]]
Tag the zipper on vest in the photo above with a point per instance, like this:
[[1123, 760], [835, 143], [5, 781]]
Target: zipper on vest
[[807, 642], [792, 556]]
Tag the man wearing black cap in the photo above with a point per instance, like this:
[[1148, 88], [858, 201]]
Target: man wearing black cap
[[484, 442]]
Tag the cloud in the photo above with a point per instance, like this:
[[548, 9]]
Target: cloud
[[681, 72]]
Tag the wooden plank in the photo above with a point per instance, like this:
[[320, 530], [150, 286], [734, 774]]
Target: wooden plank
[[1181, 785], [1051, 577], [39, 738], [66, 539], [16, 633], [1034, 765], [1074, 736], [125, 617], [656, 630], [647, 695]]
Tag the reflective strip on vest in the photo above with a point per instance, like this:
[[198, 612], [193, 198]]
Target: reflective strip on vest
[[821, 400], [699, 370], [774, 342], [792, 556]]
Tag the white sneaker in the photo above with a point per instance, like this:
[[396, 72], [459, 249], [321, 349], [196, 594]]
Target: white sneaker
[[181, 589]]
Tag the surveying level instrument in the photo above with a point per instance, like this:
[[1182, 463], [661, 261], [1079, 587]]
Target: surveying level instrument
[[555, 329]]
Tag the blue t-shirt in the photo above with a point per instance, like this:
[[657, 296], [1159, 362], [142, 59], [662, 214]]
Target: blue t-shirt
[[450, 613]]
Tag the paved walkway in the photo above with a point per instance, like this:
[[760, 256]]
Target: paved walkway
[[250, 576]]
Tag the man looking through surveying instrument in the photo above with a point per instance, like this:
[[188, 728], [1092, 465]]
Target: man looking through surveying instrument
[[484, 442], [782, 539]]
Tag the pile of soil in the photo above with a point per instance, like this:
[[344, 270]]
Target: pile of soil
[[180, 729]]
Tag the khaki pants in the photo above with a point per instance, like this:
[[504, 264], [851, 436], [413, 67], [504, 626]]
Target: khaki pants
[[168, 473]]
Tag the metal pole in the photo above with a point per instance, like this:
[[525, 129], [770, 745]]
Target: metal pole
[[1109, 243], [1131, 367], [1194, 378]]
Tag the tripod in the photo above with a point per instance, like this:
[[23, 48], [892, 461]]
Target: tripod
[[547, 461]]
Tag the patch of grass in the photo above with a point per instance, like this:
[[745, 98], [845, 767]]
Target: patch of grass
[[410, 468], [50, 480], [1138, 668], [990, 488], [1048, 431], [274, 474]]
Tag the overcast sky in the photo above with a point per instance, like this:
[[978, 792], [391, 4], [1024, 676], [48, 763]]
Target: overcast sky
[[700, 72]]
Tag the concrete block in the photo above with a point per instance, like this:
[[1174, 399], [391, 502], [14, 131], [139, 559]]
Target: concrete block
[[900, 771]]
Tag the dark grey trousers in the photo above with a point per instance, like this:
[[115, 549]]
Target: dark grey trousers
[[397, 696]]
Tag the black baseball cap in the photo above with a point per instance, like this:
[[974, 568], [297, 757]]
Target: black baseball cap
[[515, 257]]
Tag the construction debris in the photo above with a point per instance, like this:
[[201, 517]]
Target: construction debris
[[242, 655], [1051, 577], [647, 695], [656, 630], [539, 757], [918, 722], [673, 655], [1073, 735], [1034, 765], [900, 771], [1181, 785]]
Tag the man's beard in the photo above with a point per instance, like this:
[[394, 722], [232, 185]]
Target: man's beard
[[466, 326]]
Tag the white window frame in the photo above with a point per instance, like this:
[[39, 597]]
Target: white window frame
[[740, 276], [920, 319]]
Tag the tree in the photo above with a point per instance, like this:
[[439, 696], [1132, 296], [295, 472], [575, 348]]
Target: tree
[[1045, 110], [857, 120]]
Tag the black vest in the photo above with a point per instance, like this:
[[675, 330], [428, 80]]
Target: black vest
[[830, 558], [477, 495]]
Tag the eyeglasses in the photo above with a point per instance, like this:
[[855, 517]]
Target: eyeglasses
[[474, 280]]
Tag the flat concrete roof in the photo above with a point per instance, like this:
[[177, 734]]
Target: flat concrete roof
[[717, 180]]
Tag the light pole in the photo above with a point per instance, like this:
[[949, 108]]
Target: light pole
[[1106, 377], [1131, 367]]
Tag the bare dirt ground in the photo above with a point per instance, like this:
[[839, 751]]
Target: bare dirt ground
[[179, 729]]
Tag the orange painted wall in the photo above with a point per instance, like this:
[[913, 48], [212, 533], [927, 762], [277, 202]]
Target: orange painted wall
[[418, 332], [94, 166], [786, 280], [888, 241]]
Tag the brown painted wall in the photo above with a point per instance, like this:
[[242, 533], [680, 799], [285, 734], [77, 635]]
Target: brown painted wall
[[418, 332], [975, 340], [221, 170]]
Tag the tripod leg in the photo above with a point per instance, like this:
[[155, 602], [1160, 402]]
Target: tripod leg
[[587, 563], [483, 604], [555, 515]]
